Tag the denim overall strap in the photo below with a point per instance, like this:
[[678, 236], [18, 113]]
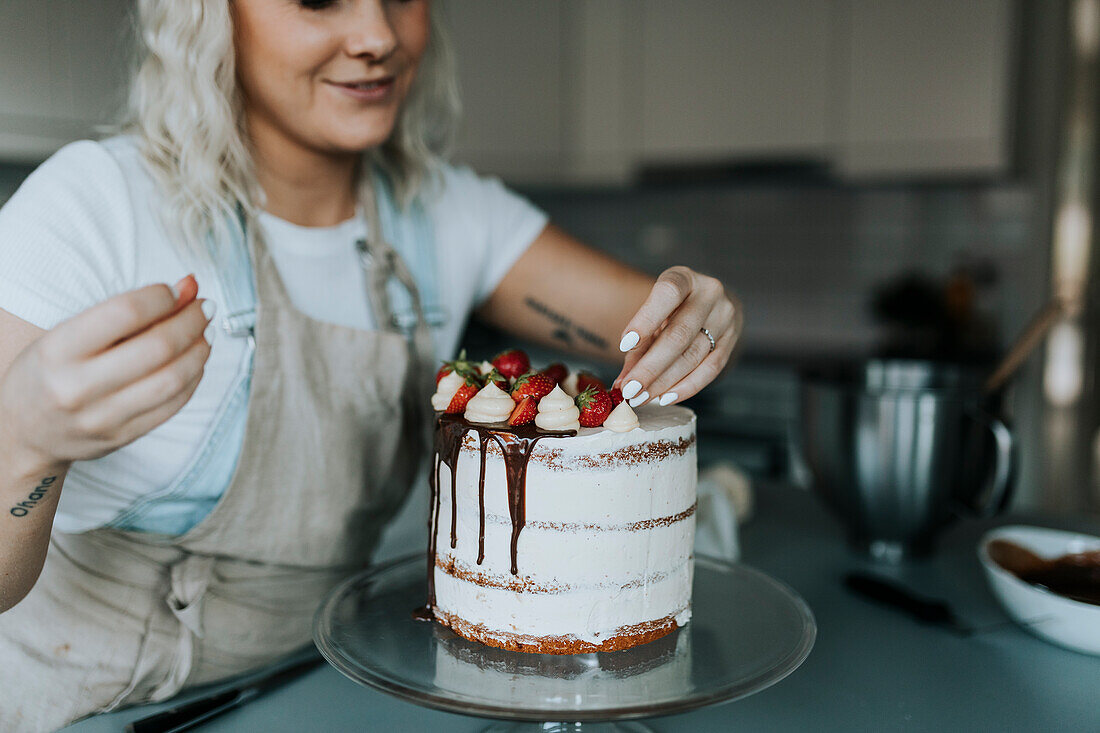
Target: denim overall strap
[[196, 490], [411, 234], [394, 291]]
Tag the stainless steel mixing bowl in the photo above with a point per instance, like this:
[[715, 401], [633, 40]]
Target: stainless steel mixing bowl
[[898, 449]]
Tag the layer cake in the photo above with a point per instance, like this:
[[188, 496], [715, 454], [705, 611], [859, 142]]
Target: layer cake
[[563, 542]]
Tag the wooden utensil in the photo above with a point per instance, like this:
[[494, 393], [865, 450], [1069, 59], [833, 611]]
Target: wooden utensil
[[1031, 337]]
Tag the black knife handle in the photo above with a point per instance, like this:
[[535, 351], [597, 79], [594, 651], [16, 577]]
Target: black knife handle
[[187, 716], [891, 594]]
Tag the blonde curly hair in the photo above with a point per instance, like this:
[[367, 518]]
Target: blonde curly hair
[[185, 110]]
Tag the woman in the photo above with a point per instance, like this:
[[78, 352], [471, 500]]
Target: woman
[[207, 478]]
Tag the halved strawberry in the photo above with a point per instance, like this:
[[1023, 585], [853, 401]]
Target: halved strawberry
[[464, 394], [616, 396], [532, 384], [588, 379], [524, 412], [499, 379], [595, 406], [460, 365], [557, 372], [512, 363]]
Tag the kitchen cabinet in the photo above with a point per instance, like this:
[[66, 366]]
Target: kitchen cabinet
[[592, 90], [63, 62], [512, 70], [924, 86], [589, 91], [727, 80], [548, 88]]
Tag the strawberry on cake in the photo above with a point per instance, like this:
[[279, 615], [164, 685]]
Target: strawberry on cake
[[562, 521]]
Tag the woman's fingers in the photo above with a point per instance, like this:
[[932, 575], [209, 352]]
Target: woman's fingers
[[676, 361], [633, 356], [160, 414], [661, 388], [141, 355], [640, 382], [147, 421], [704, 374], [109, 322], [112, 414], [187, 290], [672, 288]]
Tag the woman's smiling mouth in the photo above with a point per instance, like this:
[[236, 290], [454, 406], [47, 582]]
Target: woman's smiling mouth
[[366, 90]]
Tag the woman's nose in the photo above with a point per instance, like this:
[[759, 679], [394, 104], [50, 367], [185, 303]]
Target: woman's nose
[[370, 34]]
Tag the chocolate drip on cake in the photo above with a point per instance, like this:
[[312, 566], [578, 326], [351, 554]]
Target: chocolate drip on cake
[[516, 445], [448, 441], [516, 456], [480, 504]]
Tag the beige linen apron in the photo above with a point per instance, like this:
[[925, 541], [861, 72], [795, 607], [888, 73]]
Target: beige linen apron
[[332, 441]]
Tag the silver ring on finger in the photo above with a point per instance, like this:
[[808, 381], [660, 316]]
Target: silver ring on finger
[[710, 338]]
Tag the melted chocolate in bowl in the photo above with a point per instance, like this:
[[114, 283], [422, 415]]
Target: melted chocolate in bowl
[[1075, 576], [516, 445]]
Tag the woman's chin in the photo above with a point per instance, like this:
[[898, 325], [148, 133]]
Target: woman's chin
[[340, 146], [360, 140]]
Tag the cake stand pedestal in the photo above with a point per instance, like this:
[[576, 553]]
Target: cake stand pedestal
[[747, 632]]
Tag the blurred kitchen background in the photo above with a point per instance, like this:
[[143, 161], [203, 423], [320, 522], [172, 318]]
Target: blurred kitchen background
[[906, 177]]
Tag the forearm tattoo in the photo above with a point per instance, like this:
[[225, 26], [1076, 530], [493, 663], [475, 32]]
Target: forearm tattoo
[[564, 329], [23, 508]]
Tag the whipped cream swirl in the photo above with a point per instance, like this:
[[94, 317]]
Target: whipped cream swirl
[[569, 385], [484, 368], [557, 411], [490, 404], [445, 391], [622, 419]]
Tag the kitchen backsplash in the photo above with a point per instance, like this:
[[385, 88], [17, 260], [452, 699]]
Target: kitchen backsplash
[[806, 257]]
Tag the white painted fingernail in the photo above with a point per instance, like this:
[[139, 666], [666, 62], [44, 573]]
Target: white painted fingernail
[[668, 398], [209, 333], [630, 340], [632, 387], [640, 399], [209, 308]]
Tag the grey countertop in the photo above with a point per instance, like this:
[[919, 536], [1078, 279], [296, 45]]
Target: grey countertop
[[872, 669]]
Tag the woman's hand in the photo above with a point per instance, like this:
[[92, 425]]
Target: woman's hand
[[668, 356], [105, 377]]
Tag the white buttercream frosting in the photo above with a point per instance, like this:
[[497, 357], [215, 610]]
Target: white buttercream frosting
[[621, 419], [490, 404], [445, 391], [557, 411], [485, 367], [569, 385]]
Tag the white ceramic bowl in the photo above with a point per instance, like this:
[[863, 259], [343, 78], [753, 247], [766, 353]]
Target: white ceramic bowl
[[1072, 624]]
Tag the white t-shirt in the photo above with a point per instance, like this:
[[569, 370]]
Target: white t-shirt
[[83, 227]]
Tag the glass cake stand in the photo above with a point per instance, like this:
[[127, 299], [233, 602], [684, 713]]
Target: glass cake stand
[[747, 632]]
